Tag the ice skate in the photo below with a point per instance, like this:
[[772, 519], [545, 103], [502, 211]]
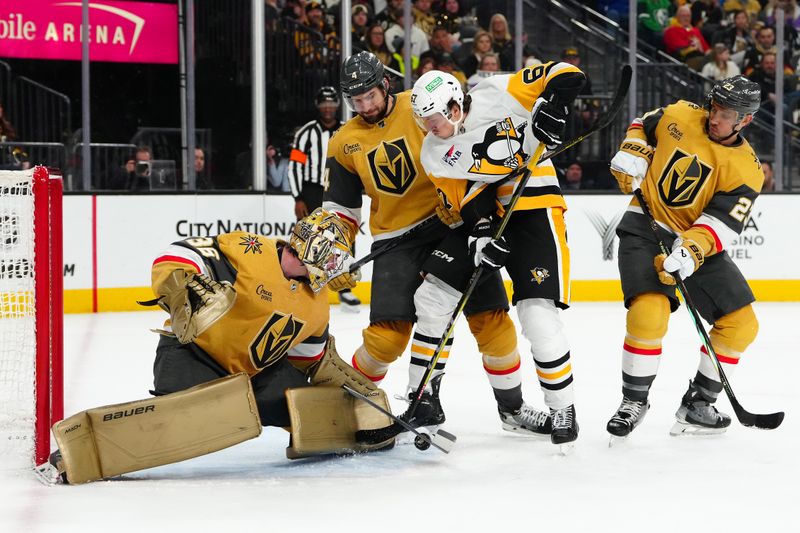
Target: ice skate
[[428, 414], [525, 421], [349, 301], [565, 428], [629, 415], [697, 416]]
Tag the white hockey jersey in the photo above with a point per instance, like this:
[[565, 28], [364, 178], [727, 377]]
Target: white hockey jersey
[[495, 140]]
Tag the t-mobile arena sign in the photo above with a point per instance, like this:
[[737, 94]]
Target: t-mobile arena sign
[[126, 32]]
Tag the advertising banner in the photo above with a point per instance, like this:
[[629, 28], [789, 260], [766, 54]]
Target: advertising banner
[[126, 32]]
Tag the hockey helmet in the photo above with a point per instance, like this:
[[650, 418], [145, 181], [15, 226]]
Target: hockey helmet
[[322, 241], [737, 93], [360, 73], [326, 94], [433, 93]]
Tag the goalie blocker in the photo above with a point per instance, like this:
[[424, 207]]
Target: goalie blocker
[[117, 439]]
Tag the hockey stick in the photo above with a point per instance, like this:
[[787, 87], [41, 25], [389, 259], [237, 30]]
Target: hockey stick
[[441, 439], [539, 156], [768, 421], [393, 243]]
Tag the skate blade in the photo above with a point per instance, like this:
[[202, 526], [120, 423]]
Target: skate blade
[[407, 437], [680, 429], [566, 449], [49, 474], [525, 432], [353, 309], [615, 441]]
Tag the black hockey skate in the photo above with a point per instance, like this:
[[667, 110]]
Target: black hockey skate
[[525, 420], [428, 415], [349, 301], [565, 428], [629, 415], [697, 416]]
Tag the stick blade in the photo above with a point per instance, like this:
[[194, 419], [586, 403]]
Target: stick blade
[[763, 421]]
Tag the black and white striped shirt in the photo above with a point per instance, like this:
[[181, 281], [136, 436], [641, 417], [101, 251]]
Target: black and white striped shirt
[[307, 159]]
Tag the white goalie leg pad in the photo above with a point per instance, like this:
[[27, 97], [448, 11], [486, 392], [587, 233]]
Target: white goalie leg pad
[[117, 439], [434, 302], [542, 327]]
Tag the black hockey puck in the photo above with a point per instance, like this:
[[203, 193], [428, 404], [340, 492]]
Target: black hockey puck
[[422, 442]]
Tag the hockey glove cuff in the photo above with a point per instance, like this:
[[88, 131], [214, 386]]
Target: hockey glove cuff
[[486, 251], [629, 165], [452, 219], [685, 259], [549, 122]]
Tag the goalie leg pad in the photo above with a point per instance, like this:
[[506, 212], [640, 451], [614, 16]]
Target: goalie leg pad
[[331, 371], [117, 439], [325, 421]]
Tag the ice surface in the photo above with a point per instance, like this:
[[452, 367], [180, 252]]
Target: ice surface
[[743, 480]]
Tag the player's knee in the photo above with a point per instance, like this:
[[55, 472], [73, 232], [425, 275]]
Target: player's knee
[[435, 300], [494, 332], [386, 341], [736, 330], [648, 316], [542, 327]]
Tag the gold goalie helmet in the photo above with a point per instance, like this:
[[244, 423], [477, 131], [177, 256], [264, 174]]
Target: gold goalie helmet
[[323, 243]]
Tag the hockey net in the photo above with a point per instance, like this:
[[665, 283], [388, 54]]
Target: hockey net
[[31, 314]]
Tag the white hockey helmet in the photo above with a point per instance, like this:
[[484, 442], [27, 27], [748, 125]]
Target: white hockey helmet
[[432, 93]]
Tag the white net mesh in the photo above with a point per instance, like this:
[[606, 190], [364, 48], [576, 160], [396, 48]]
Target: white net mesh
[[17, 318]]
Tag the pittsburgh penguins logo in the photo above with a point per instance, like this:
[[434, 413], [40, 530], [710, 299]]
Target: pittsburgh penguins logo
[[539, 274], [682, 179], [501, 150], [274, 339], [392, 166]]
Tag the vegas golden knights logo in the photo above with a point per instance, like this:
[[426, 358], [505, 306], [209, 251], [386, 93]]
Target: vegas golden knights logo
[[682, 178], [392, 166], [501, 151], [274, 339]]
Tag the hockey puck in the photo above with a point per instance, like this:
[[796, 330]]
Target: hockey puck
[[422, 442]]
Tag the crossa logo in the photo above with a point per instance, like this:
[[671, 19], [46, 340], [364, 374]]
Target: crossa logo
[[274, 339], [607, 231], [682, 179], [392, 166]]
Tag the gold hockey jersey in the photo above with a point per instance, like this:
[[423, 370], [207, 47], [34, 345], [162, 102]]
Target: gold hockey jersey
[[694, 186], [496, 140], [382, 160], [273, 316]]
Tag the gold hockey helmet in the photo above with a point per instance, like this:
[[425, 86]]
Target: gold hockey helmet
[[323, 243]]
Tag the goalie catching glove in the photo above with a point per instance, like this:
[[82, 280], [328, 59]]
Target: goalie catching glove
[[194, 302], [629, 165], [485, 250], [685, 259]]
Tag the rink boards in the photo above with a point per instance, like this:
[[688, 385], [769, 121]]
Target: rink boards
[[110, 242]]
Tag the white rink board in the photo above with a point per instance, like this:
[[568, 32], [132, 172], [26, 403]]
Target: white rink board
[[133, 230]]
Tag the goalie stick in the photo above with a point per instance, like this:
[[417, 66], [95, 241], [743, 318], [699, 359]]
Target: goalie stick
[[440, 439], [539, 156], [760, 421]]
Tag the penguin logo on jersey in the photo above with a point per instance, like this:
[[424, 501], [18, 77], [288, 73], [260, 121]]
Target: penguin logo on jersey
[[682, 179], [274, 339], [392, 166], [539, 275], [501, 151]]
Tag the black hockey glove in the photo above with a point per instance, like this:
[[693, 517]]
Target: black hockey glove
[[491, 253], [549, 123]]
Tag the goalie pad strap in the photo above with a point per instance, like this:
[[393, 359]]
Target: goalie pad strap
[[117, 439], [332, 371]]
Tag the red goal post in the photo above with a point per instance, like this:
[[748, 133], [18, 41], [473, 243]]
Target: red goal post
[[31, 312]]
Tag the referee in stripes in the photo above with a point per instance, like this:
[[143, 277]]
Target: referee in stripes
[[307, 165]]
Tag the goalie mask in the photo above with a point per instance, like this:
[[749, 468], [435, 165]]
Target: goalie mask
[[322, 241], [433, 93]]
